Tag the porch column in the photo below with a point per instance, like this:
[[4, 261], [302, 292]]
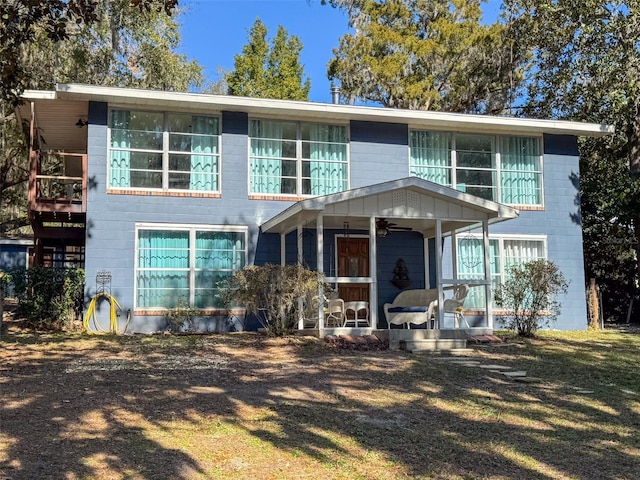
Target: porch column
[[373, 273], [439, 271], [300, 300], [427, 282], [320, 268], [488, 303], [283, 253]]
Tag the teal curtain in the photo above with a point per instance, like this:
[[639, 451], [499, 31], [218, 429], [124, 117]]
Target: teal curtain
[[204, 154], [520, 171], [266, 156], [120, 156], [328, 155], [431, 156], [218, 255], [163, 268], [471, 266]]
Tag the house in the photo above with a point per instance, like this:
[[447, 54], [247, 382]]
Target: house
[[168, 193]]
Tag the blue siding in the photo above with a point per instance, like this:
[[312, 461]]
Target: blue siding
[[378, 152]]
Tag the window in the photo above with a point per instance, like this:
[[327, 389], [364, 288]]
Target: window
[[164, 151], [294, 158], [185, 262], [505, 169], [503, 253]]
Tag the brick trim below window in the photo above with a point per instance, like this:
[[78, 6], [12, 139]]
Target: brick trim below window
[[186, 193]]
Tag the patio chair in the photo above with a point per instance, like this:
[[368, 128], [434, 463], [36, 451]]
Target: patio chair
[[335, 313], [454, 305]]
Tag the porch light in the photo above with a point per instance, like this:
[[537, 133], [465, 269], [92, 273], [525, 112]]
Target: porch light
[[381, 231]]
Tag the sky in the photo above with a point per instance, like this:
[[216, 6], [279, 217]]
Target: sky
[[213, 31]]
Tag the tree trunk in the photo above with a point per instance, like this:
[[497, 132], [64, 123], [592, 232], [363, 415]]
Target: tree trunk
[[634, 170]]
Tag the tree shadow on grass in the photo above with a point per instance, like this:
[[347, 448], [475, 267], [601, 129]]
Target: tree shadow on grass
[[222, 407]]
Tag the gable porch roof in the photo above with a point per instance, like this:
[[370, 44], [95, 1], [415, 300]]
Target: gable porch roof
[[410, 202]]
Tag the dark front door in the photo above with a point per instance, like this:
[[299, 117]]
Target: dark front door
[[353, 261]]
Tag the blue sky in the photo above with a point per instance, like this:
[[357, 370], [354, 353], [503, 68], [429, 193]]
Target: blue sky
[[213, 31]]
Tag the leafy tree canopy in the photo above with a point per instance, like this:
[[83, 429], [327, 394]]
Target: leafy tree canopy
[[587, 58], [427, 55], [269, 70], [22, 22]]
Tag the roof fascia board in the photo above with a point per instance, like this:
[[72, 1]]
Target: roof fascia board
[[261, 106]]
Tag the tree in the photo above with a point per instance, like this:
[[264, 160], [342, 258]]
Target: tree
[[528, 296], [23, 20], [587, 67], [104, 42], [269, 71], [426, 55]]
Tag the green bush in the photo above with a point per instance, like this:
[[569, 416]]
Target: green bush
[[272, 293], [528, 296], [48, 298]]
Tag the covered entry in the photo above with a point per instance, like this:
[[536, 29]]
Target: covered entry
[[408, 204]]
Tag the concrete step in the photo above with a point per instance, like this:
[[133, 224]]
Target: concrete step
[[432, 344]]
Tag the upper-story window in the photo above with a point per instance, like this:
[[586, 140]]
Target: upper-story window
[[294, 158], [164, 151], [504, 169]]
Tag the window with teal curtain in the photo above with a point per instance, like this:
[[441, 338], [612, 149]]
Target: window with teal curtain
[[471, 266], [272, 157], [503, 253], [139, 149], [218, 255], [164, 273], [324, 156], [193, 152], [431, 156], [119, 161], [162, 268], [520, 171]]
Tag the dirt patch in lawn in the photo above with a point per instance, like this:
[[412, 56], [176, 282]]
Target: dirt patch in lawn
[[249, 406]]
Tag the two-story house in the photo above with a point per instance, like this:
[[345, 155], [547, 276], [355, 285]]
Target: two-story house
[[172, 192]]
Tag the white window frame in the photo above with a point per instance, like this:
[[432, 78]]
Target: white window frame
[[501, 238], [496, 153], [192, 229], [165, 152], [299, 158]]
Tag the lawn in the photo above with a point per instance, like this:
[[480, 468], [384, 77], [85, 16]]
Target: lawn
[[247, 406]]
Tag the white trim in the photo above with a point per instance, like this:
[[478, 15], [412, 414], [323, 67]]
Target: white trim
[[262, 106]]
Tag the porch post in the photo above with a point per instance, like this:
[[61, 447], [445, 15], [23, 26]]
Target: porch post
[[439, 271], [320, 268], [283, 253], [300, 300], [427, 282], [487, 274], [373, 272]]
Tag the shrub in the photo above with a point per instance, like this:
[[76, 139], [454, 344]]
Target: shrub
[[48, 298], [271, 293], [182, 318], [528, 296]]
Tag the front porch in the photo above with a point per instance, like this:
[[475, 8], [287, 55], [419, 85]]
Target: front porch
[[384, 220]]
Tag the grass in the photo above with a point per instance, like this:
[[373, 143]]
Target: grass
[[246, 406]]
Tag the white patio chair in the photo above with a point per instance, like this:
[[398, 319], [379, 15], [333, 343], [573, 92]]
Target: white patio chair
[[335, 313]]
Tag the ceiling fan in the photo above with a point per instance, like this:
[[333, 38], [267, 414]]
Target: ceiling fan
[[383, 227]]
